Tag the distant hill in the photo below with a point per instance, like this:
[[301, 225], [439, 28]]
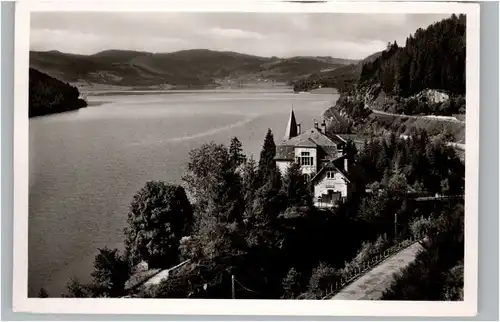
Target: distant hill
[[185, 68], [341, 78], [48, 95]]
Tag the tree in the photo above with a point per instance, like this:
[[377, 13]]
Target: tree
[[213, 182], [111, 271], [77, 290], [43, 293], [351, 151], [454, 283], [291, 284], [249, 182], [267, 203], [159, 216], [236, 155], [214, 238], [262, 226], [381, 244], [267, 164], [420, 226], [397, 184], [294, 188], [322, 278], [365, 252]]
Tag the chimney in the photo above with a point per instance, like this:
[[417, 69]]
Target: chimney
[[323, 127], [316, 125], [298, 129], [346, 164]]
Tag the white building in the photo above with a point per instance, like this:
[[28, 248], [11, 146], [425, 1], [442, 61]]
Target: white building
[[321, 158]]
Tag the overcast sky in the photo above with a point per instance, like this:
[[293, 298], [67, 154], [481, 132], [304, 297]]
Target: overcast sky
[[266, 34]]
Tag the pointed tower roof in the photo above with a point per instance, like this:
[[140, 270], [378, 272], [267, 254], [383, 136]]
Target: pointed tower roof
[[291, 128]]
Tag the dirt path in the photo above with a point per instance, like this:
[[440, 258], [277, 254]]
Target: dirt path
[[372, 285]]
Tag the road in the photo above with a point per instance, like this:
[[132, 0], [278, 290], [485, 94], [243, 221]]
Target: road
[[371, 285], [440, 197], [435, 117]]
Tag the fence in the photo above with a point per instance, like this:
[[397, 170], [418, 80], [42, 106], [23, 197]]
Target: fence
[[367, 266]]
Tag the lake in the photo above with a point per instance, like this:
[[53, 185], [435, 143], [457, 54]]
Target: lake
[[85, 166]]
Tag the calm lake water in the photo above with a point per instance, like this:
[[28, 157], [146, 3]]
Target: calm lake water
[[85, 166]]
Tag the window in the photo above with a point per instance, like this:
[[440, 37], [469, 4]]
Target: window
[[306, 161], [306, 177], [305, 158], [330, 174]]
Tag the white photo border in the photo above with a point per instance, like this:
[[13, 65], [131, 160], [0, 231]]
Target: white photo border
[[21, 302]]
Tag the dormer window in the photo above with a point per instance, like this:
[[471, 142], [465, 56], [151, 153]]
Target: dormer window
[[330, 174]]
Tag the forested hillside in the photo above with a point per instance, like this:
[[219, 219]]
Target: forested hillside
[[432, 58], [425, 77], [48, 95]]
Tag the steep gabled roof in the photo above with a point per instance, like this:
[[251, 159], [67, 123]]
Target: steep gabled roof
[[316, 136], [330, 166], [309, 138]]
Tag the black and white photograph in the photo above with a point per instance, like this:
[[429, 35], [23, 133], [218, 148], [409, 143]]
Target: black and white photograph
[[248, 155]]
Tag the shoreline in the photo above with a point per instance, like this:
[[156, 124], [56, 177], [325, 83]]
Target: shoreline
[[222, 90]]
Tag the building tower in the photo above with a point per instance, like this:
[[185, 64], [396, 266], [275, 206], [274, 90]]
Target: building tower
[[291, 128]]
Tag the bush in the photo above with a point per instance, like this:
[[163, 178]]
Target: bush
[[322, 279], [291, 284]]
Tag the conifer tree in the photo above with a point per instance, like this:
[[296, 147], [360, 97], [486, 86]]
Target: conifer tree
[[249, 182], [111, 271], [236, 155], [267, 164]]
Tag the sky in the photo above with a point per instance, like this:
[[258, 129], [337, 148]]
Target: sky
[[353, 36]]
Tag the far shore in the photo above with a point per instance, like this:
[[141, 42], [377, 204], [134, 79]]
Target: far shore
[[246, 90], [104, 89]]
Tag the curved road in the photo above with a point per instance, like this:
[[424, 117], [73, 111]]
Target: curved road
[[436, 117], [372, 285]]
